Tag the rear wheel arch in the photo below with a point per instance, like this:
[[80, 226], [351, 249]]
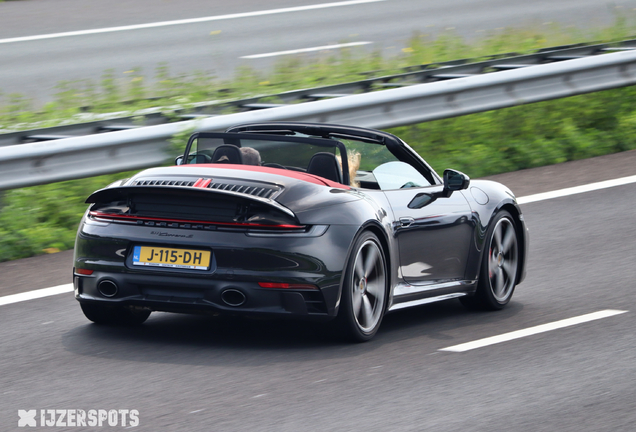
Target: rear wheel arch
[[384, 242], [382, 236]]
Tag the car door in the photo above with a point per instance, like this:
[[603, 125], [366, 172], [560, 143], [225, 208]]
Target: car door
[[433, 236]]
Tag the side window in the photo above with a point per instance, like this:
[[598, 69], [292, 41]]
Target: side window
[[398, 175], [364, 158]]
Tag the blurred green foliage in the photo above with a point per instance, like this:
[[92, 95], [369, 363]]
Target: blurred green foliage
[[528, 136], [44, 218]]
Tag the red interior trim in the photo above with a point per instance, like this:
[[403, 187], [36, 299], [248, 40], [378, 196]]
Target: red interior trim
[[298, 175]]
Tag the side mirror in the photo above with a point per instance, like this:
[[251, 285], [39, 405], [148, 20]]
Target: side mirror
[[454, 181], [178, 160]]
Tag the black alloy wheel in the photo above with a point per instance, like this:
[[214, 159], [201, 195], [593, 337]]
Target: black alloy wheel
[[499, 267], [364, 290]]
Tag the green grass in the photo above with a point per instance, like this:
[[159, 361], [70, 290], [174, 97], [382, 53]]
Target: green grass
[[44, 218]]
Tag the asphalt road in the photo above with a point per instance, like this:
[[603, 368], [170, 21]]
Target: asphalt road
[[34, 67], [186, 373]]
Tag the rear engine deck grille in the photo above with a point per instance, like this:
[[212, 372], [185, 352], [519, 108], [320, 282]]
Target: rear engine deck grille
[[163, 183], [247, 189], [263, 192]]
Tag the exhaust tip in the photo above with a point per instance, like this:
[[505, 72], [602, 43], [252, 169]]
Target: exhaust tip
[[233, 297], [107, 288]]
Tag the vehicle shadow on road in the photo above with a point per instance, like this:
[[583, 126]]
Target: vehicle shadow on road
[[202, 340]]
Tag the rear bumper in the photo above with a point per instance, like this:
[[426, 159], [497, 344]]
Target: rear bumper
[[231, 284], [171, 294]]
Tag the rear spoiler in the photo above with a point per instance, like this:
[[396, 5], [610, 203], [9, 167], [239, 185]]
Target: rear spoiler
[[121, 193]]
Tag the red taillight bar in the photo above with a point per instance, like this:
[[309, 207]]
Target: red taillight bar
[[85, 272], [238, 224], [277, 285]]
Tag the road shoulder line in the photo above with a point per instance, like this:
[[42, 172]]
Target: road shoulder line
[[480, 343], [31, 295], [576, 190], [187, 21]]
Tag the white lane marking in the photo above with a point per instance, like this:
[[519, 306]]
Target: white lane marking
[[577, 190], [532, 331], [304, 50], [188, 21], [30, 295]]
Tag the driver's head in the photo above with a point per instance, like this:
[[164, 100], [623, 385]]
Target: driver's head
[[250, 156]]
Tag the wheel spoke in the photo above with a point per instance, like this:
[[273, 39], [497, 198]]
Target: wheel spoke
[[497, 237], [509, 269], [508, 240], [492, 262], [366, 312], [369, 262], [499, 283], [359, 269], [356, 300], [375, 287]]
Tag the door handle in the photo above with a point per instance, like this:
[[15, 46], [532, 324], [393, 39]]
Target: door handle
[[406, 221]]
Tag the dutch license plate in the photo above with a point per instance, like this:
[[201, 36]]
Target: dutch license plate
[[171, 257]]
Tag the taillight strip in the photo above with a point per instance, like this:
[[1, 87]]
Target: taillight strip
[[83, 271], [278, 285], [99, 214]]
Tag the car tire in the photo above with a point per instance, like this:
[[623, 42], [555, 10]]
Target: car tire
[[499, 266], [363, 298], [114, 315]]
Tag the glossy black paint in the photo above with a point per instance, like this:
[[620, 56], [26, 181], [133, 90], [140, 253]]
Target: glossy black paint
[[446, 224], [433, 249]]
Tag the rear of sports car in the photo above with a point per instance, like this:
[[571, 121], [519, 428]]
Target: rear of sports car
[[217, 240]]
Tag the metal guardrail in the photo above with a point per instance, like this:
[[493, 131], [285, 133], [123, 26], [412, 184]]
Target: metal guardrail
[[406, 77], [569, 73]]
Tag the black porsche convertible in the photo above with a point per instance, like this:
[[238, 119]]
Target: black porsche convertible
[[307, 221]]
